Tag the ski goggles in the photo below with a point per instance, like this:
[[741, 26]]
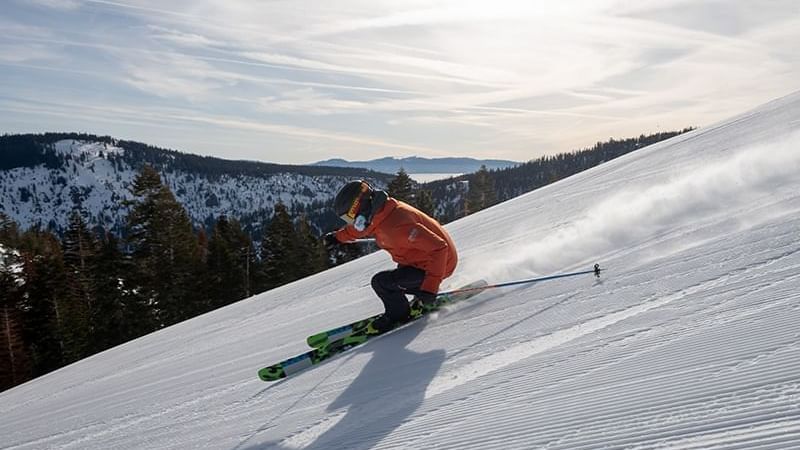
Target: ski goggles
[[352, 216]]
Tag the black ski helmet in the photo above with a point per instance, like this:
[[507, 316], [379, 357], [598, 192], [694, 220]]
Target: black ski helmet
[[352, 200]]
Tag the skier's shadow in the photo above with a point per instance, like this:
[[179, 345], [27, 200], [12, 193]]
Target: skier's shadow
[[389, 389]]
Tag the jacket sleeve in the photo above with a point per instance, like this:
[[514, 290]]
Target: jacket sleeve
[[437, 249], [348, 234]]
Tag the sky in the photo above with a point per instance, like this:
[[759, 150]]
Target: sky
[[300, 81]]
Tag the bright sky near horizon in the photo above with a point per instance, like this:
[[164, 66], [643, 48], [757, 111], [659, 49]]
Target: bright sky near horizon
[[299, 81]]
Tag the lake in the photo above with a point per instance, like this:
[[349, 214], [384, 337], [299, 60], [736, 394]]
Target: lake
[[428, 177]]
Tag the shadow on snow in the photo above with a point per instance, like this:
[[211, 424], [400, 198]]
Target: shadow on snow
[[389, 389]]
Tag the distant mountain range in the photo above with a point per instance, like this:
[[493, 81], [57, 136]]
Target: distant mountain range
[[44, 177], [415, 164]]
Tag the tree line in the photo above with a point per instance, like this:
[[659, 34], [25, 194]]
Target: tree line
[[63, 299], [469, 193]]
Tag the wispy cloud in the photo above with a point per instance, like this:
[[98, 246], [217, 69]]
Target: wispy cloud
[[187, 77], [55, 4], [179, 38], [163, 117], [10, 53], [510, 77], [309, 101]]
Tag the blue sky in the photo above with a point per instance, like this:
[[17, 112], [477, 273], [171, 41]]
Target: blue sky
[[299, 81]]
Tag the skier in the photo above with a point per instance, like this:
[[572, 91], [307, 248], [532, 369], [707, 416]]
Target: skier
[[424, 252]]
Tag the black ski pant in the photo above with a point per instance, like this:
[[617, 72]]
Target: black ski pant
[[392, 287]]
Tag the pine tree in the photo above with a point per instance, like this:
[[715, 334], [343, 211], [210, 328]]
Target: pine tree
[[15, 364], [278, 251], [230, 262], [401, 187], [115, 318], [425, 202], [202, 245], [205, 283], [164, 251], [80, 249], [9, 233], [481, 191], [310, 250], [15, 367], [45, 319]]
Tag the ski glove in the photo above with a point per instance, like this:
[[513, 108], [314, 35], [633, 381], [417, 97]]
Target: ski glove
[[427, 298], [330, 241]]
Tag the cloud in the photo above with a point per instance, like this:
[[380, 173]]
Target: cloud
[[173, 76], [63, 5], [298, 132], [172, 117], [309, 101], [179, 38], [369, 68], [16, 53], [522, 78]]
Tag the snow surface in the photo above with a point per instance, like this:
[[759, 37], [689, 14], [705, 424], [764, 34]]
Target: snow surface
[[690, 340]]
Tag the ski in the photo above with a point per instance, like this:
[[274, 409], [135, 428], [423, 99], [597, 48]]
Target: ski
[[338, 340], [310, 358], [359, 333], [320, 339]]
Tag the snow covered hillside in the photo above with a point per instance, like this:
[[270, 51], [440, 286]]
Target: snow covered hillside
[[96, 176], [689, 341]]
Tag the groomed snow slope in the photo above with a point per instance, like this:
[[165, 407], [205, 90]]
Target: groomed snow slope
[[690, 340]]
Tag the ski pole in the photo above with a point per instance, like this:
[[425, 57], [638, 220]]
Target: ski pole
[[362, 241], [596, 271]]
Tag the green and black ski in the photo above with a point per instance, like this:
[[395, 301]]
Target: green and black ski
[[333, 342], [338, 340]]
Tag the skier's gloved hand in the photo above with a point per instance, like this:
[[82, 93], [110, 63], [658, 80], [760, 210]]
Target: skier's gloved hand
[[427, 298], [330, 241]]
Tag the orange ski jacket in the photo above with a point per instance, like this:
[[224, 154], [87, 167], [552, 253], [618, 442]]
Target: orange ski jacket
[[412, 238]]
